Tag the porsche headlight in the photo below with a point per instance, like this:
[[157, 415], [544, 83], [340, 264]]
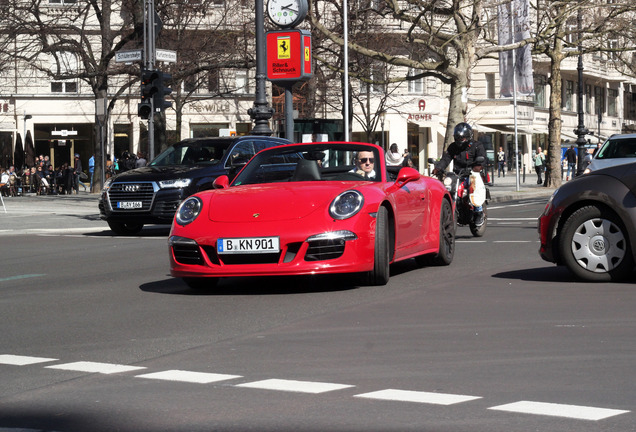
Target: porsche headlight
[[175, 183], [346, 204], [189, 210]]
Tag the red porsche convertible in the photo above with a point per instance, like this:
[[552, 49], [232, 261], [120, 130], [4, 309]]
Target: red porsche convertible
[[316, 208]]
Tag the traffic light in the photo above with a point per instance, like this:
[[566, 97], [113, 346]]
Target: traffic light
[[160, 91], [153, 92], [144, 108]]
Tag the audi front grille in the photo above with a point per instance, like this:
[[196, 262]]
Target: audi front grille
[[142, 192]]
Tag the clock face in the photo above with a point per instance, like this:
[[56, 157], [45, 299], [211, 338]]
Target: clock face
[[286, 13]]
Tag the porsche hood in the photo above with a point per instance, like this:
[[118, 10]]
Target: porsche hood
[[272, 202]]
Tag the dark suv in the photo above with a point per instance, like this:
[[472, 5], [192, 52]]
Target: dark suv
[[151, 195]]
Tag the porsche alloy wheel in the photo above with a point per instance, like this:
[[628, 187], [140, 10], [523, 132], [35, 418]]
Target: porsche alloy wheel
[[447, 230], [594, 245], [124, 228], [380, 273]]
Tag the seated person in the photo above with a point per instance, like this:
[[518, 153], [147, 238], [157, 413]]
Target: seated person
[[365, 163]]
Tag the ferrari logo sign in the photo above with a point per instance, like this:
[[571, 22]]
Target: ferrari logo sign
[[284, 47], [288, 55]]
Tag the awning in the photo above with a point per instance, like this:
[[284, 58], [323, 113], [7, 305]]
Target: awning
[[507, 129]]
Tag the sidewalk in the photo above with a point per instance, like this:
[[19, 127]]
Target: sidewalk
[[505, 188]]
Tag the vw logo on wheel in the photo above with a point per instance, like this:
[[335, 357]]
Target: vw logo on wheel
[[131, 188], [598, 245]]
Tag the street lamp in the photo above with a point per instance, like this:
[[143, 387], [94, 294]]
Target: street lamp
[[382, 118], [580, 130], [261, 112]]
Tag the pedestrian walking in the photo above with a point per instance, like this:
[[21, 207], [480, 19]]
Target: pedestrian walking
[[501, 162], [570, 157], [539, 164]]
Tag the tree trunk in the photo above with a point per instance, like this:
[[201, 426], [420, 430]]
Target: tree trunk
[[553, 162]]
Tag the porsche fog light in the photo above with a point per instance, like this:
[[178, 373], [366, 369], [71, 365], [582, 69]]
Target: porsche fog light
[[346, 204], [189, 210]]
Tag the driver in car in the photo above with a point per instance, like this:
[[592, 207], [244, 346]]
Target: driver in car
[[365, 162]]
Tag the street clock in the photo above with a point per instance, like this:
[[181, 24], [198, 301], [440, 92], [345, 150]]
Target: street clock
[[287, 13]]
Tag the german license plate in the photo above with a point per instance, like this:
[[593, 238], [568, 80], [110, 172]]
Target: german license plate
[[248, 245], [127, 205]]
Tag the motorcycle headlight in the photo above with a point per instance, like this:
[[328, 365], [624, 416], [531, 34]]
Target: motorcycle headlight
[[448, 183], [175, 183], [189, 210], [346, 204]]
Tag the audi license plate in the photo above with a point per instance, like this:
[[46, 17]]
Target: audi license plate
[[248, 245], [127, 205]]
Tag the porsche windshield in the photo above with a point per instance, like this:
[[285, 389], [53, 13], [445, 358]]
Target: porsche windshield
[[193, 154], [316, 162]]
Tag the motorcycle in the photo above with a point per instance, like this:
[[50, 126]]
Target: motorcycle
[[461, 186]]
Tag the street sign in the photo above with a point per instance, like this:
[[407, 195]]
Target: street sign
[[128, 56], [165, 55], [288, 55]]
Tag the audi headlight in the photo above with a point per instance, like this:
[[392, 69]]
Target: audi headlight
[[189, 210], [346, 204], [175, 184], [107, 184]]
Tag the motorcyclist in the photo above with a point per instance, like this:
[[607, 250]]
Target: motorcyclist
[[464, 153]]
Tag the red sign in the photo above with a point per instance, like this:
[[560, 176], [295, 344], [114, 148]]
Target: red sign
[[288, 55]]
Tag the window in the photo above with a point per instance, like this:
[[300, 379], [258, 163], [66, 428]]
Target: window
[[490, 85], [588, 99], [539, 91], [57, 2], [416, 86], [568, 95], [64, 63], [242, 82], [377, 85], [612, 97], [599, 100], [612, 45]]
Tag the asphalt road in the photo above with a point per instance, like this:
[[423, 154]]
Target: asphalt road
[[98, 337]]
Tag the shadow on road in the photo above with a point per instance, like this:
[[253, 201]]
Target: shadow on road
[[258, 285], [540, 274]]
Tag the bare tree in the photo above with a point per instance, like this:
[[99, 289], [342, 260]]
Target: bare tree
[[88, 33], [562, 28]]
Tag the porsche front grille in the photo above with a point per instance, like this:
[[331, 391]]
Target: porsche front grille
[[321, 250]]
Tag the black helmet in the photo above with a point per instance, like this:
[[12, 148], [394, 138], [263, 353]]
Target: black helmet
[[463, 133]]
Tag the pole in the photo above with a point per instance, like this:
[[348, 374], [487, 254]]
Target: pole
[[289, 112], [514, 97], [580, 130], [149, 57], [345, 24], [261, 112]]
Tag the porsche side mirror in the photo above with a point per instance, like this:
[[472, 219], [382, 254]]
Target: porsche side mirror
[[221, 182], [406, 175]]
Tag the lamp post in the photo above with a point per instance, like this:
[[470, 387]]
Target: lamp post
[[261, 112], [580, 130], [382, 118]]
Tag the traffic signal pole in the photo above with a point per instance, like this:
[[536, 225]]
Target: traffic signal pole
[[149, 56]]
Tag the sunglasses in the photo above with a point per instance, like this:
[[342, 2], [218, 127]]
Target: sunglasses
[[364, 160]]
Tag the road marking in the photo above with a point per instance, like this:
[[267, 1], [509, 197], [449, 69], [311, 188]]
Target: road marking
[[417, 396], [24, 276], [295, 386], [94, 367], [16, 360], [559, 410], [187, 376], [534, 219]]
